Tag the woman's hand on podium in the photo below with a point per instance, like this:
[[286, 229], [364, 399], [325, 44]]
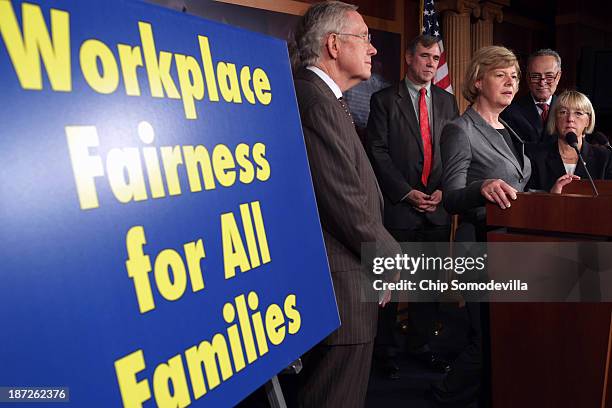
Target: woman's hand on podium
[[563, 181], [498, 191]]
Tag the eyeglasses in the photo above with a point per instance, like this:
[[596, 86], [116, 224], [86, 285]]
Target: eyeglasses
[[578, 114], [549, 77], [367, 38]]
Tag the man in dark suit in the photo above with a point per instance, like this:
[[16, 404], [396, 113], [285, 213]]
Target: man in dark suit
[[403, 138], [527, 115], [332, 52]]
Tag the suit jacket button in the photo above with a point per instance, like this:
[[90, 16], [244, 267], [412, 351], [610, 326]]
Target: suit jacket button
[[520, 180]]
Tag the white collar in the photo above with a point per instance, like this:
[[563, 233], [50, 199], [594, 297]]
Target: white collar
[[548, 101], [327, 79], [417, 88]]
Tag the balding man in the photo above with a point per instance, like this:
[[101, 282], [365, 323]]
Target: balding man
[[527, 116]]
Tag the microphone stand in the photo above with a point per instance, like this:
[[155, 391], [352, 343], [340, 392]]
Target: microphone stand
[[595, 192]]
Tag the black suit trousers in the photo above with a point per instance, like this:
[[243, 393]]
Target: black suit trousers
[[422, 315]]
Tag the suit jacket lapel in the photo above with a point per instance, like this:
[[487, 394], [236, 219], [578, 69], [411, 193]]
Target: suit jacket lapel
[[494, 138], [514, 135], [531, 113], [404, 104], [314, 78], [554, 162], [308, 75], [436, 104]]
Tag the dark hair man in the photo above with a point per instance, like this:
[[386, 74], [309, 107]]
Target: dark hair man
[[403, 137]]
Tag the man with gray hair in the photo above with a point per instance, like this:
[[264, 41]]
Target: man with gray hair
[[331, 53], [527, 116]]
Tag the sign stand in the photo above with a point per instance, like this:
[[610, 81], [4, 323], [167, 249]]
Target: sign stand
[[274, 391]]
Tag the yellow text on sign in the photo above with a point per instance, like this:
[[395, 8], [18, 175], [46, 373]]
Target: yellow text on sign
[[103, 67], [172, 273], [209, 363]]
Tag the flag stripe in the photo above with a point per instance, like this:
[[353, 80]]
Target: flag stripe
[[432, 27], [442, 58], [442, 71], [444, 83]]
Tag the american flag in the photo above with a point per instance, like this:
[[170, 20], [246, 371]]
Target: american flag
[[430, 26]]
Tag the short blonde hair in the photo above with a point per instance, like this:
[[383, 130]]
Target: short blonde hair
[[483, 61], [570, 99]]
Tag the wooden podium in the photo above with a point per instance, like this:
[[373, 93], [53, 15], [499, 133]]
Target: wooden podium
[[552, 354]]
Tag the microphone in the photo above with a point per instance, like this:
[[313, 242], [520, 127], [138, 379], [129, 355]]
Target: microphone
[[572, 140], [601, 139]]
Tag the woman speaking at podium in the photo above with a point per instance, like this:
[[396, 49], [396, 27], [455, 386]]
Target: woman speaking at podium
[[483, 160], [571, 117], [482, 157]]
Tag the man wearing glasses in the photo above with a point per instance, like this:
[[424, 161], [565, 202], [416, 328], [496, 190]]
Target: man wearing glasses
[[527, 115], [331, 53]]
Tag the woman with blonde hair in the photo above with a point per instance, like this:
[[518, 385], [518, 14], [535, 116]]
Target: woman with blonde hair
[[572, 112], [483, 160], [482, 157]]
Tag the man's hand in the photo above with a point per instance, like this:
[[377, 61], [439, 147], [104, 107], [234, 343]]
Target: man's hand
[[499, 192], [436, 197], [423, 202], [384, 297], [563, 181]]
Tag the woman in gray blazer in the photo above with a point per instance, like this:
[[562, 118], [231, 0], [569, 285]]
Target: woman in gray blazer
[[483, 158]]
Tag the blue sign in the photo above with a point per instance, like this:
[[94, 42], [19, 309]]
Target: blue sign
[[160, 243]]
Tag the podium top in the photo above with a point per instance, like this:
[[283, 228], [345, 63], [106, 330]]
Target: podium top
[[569, 215], [584, 187]]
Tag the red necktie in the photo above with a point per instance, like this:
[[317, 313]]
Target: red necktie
[[544, 115], [426, 136]]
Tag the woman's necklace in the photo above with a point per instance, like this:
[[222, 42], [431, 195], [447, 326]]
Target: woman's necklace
[[568, 156], [571, 157]]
